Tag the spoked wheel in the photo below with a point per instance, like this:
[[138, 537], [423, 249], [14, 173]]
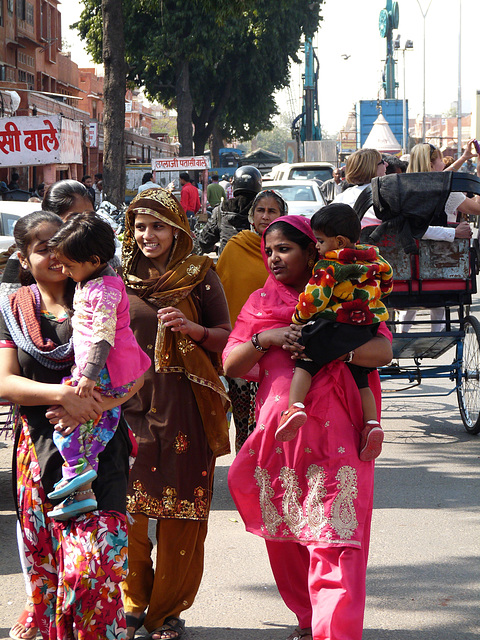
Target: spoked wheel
[[468, 391]]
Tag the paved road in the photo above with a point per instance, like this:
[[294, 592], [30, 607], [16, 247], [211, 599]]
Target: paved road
[[424, 572]]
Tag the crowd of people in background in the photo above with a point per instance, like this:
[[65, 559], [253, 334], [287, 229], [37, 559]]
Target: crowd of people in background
[[309, 495]]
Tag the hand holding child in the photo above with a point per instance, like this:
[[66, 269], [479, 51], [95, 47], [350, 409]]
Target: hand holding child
[[85, 387]]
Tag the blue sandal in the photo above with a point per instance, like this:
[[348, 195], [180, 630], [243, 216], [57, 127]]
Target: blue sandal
[[72, 485], [70, 508]]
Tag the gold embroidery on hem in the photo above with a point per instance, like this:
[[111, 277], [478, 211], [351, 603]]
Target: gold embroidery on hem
[[290, 537], [342, 517], [270, 515], [309, 516], [292, 508], [314, 507], [169, 506]]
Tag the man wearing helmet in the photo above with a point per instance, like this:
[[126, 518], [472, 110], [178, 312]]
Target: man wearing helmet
[[230, 216], [225, 181]]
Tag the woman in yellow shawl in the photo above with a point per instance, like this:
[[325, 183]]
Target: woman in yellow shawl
[[242, 271], [180, 318]]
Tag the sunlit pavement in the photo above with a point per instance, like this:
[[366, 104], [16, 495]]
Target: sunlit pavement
[[424, 570]]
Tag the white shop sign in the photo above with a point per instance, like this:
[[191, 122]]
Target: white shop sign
[[180, 164], [39, 140]]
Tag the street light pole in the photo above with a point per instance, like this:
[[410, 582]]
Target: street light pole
[[424, 14], [408, 44], [404, 109], [459, 99]]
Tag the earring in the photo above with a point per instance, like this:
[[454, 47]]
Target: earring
[[310, 263]]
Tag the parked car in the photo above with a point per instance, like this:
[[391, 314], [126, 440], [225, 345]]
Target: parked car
[[301, 171], [303, 196], [10, 212]]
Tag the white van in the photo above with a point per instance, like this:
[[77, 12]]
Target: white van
[[301, 171]]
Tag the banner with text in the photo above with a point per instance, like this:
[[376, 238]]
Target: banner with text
[[180, 164], [36, 140]]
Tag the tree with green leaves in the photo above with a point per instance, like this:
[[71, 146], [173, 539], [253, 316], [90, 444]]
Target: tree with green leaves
[[217, 65]]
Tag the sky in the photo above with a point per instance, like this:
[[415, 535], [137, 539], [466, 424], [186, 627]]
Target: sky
[[350, 27]]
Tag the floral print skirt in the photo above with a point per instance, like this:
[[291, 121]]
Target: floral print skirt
[[75, 567]]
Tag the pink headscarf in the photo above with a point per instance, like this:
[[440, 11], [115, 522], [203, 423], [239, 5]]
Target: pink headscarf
[[271, 306], [299, 222]]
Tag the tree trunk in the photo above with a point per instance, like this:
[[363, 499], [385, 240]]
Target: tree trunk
[[184, 109], [200, 139], [114, 102], [216, 143]]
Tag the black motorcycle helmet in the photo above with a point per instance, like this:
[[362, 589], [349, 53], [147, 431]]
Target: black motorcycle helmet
[[247, 181]]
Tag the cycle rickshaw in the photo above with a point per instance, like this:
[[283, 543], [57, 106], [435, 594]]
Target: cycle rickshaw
[[430, 274]]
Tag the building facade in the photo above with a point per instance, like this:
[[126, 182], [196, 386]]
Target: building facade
[[37, 79]]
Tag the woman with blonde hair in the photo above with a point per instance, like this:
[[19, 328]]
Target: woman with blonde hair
[[361, 167], [425, 158]]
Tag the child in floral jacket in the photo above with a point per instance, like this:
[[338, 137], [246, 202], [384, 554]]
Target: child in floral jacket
[[341, 309]]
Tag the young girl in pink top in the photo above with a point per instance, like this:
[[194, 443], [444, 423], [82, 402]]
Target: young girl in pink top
[[108, 358]]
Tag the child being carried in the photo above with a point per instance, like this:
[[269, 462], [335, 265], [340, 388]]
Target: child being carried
[[108, 358], [341, 309]]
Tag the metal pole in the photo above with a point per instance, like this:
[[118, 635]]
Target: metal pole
[[459, 99], [424, 128], [404, 127], [424, 14]]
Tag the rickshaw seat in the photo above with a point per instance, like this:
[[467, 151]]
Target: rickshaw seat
[[408, 203], [439, 274]]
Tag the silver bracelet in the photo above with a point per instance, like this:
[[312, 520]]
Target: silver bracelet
[[349, 358], [257, 344]]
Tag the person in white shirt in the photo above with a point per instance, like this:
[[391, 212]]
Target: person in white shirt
[[148, 182], [224, 182], [98, 196]]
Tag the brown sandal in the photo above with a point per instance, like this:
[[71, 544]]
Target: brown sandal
[[134, 622], [171, 625]]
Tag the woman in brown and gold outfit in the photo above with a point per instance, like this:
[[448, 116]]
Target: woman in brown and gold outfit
[[180, 318]]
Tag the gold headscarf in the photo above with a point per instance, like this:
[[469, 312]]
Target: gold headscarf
[[175, 352]]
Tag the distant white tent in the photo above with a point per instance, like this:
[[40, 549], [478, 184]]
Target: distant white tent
[[381, 137]]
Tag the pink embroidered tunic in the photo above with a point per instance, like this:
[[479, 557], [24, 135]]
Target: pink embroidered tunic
[[313, 488]]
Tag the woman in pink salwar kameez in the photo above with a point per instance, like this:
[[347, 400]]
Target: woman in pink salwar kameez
[[310, 498]]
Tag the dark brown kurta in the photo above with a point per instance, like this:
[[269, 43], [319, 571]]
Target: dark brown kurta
[[171, 477]]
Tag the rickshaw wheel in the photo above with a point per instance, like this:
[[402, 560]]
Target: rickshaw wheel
[[468, 390]]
